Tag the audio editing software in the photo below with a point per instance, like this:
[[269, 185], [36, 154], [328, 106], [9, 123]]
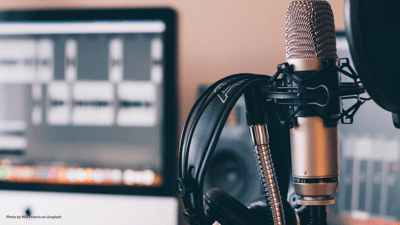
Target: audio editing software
[[82, 102]]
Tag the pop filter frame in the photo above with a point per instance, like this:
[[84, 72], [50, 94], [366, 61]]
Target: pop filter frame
[[375, 62]]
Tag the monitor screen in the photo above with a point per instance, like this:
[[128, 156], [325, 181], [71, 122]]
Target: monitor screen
[[87, 99]]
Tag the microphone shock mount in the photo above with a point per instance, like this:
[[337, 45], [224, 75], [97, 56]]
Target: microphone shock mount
[[291, 89]]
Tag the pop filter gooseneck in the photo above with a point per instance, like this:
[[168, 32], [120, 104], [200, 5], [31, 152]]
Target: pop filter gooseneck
[[373, 33]]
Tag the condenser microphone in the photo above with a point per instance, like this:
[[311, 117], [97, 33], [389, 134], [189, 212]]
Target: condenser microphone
[[311, 47]]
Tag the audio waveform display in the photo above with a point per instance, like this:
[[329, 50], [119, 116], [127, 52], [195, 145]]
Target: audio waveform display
[[75, 99], [90, 98]]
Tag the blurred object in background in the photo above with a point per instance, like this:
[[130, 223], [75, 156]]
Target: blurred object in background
[[369, 190]]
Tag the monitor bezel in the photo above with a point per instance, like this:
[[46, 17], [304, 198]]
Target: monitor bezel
[[169, 127]]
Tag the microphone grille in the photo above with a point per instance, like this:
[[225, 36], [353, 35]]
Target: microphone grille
[[310, 30]]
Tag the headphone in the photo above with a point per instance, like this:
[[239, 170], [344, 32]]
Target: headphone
[[199, 138]]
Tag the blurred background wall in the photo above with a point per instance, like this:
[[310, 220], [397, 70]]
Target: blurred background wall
[[216, 37]]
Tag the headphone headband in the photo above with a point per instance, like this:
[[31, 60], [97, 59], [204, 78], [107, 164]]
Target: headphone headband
[[201, 134]]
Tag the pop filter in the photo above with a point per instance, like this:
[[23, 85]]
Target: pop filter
[[373, 33]]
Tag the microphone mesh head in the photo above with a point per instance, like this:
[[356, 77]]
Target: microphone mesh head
[[310, 30]]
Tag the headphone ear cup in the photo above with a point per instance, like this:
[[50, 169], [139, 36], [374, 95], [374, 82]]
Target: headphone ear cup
[[227, 210]]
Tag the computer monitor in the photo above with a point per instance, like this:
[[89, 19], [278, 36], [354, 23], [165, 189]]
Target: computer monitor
[[88, 101]]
